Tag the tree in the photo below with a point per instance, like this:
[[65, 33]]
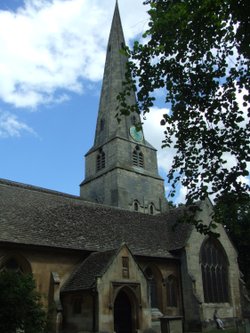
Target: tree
[[197, 53], [20, 307], [234, 214]]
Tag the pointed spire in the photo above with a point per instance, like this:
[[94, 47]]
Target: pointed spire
[[121, 167], [114, 74]]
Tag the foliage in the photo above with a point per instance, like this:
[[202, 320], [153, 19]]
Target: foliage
[[234, 214], [20, 307], [197, 53]]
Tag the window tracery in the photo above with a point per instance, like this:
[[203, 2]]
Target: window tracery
[[16, 264], [214, 267], [12, 265]]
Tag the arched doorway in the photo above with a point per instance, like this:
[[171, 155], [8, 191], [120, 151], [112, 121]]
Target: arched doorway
[[123, 313]]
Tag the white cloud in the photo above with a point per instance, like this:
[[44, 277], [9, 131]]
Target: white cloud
[[52, 45], [181, 195], [11, 126], [154, 133]]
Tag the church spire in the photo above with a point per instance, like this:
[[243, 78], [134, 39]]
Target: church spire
[[121, 167], [107, 126]]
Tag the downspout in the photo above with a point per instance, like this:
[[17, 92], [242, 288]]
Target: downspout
[[94, 309]]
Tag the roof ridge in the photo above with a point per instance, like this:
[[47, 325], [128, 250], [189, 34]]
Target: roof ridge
[[11, 183], [8, 182]]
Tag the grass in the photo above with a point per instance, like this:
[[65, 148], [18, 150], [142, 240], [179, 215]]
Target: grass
[[226, 330]]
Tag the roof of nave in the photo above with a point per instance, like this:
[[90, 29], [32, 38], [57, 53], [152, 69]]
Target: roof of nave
[[35, 216]]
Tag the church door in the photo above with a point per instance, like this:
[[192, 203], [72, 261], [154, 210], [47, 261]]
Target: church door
[[123, 314]]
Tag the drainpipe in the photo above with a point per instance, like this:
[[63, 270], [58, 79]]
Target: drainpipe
[[94, 308]]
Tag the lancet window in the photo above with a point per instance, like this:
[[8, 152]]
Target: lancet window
[[100, 160], [172, 291], [152, 286], [136, 206], [125, 267]]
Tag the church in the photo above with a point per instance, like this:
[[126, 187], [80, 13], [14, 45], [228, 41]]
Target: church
[[115, 258]]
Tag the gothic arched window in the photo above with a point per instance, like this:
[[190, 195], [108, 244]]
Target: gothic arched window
[[214, 267], [137, 158], [151, 209], [12, 265], [172, 291], [136, 206], [15, 264], [152, 286], [100, 160]]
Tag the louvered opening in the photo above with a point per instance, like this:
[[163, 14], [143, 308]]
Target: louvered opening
[[100, 161], [137, 158]]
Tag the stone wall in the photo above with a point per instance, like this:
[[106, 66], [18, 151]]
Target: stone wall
[[192, 278]]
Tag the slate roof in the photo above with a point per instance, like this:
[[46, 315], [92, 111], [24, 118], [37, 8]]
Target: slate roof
[[35, 216], [84, 277]]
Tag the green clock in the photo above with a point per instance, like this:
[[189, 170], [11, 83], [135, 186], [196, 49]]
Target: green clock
[[136, 135]]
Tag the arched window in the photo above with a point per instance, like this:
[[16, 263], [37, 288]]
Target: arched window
[[172, 291], [13, 265], [137, 158], [133, 120], [100, 160], [152, 286], [16, 264], [151, 209], [136, 206], [214, 266]]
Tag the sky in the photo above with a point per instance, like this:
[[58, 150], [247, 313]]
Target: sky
[[51, 65]]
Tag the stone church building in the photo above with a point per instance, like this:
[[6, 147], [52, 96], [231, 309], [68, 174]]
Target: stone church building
[[115, 259]]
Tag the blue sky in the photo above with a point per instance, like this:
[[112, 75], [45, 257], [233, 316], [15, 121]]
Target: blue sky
[[51, 65]]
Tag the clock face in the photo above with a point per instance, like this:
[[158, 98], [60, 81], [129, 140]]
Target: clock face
[[136, 135]]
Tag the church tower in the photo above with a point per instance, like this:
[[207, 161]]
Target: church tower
[[121, 167]]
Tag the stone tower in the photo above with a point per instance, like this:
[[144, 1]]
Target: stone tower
[[121, 167]]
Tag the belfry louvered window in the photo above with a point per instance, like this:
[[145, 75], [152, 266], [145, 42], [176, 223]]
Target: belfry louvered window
[[100, 160], [133, 120], [138, 159], [214, 266]]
